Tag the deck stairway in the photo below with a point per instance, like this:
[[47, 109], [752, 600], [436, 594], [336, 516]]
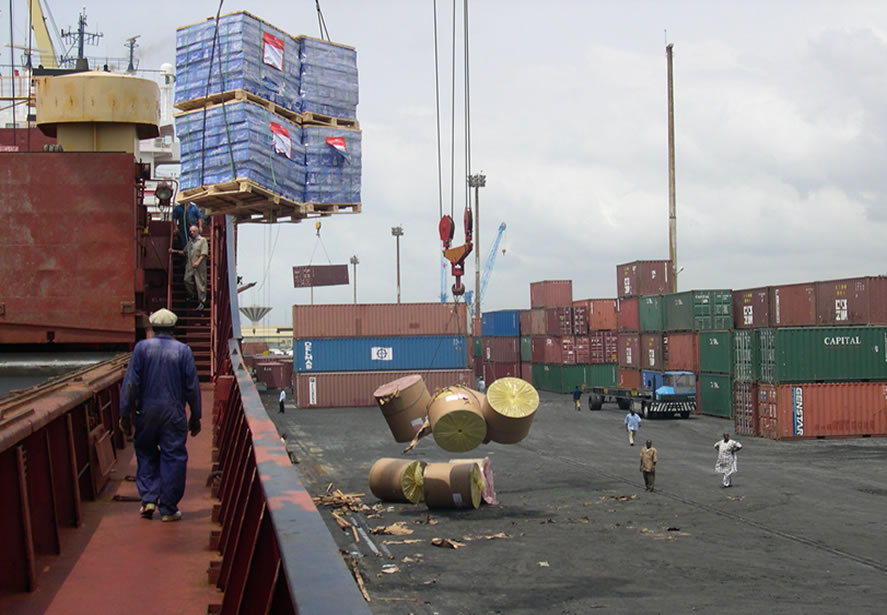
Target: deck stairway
[[193, 327]]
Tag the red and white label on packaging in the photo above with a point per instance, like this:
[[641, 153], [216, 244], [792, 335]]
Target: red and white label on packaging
[[280, 140], [337, 142], [272, 50]]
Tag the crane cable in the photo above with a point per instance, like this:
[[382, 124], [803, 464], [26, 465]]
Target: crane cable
[[321, 22]]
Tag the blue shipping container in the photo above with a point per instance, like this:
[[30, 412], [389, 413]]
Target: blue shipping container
[[504, 323], [367, 354]]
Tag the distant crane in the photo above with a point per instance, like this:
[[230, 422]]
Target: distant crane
[[485, 274]]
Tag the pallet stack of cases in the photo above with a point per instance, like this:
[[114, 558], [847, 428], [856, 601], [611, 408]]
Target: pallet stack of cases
[[343, 353], [500, 346], [273, 112], [811, 359], [635, 280]]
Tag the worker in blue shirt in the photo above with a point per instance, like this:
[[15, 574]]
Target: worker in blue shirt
[[183, 223], [577, 397], [160, 378], [632, 422]]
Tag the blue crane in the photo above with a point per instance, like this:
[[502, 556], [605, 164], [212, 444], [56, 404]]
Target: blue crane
[[484, 276]]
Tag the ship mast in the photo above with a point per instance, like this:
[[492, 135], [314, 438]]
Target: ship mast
[[672, 207]]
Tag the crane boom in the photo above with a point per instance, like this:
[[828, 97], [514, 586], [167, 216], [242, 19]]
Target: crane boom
[[488, 268], [41, 33]]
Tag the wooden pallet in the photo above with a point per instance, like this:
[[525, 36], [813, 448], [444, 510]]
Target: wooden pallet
[[214, 100], [310, 118], [247, 201]]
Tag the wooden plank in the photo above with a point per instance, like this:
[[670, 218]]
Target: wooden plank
[[319, 119], [239, 95]]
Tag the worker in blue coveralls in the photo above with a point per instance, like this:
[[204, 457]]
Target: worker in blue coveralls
[[183, 223], [160, 378]]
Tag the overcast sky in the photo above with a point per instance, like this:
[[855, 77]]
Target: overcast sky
[[780, 111]]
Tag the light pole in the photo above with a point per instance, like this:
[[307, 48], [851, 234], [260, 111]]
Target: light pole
[[477, 181], [397, 232], [355, 261]]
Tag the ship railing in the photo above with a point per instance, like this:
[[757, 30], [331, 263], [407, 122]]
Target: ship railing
[[276, 549]]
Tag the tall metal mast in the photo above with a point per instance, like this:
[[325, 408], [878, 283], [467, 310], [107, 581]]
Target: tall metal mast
[[672, 208]]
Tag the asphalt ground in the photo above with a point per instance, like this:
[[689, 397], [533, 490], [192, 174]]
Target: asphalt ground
[[801, 531]]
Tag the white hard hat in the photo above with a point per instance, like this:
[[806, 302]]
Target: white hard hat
[[163, 318]]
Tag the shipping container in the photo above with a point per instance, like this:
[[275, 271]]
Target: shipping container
[[651, 316], [559, 321], [561, 378], [603, 347], [248, 348], [629, 378], [823, 354], [751, 308], [582, 348], [697, 310], [504, 323], [652, 351], [793, 305], [651, 379], [381, 353], [746, 355], [856, 301], [643, 278], [523, 318], [604, 375], [355, 389], [551, 349], [526, 372], [682, 350], [580, 320], [379, 320], [628, 318], [846, 409], [501, 349], [538, 322], [478, 367], [274, 374], [716, 352], [526, 349], [715, 395], [629, 350], [602, 314], [494, 371], [745, 408], [551, 293], [766, 410]]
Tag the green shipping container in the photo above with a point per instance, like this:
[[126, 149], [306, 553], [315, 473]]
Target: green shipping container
[[746, 355], [698, 310], [650, 313], [716, 352], [477, 347], [715, 395], [526, 349], [561, 378], [604, 375], [823, 354]]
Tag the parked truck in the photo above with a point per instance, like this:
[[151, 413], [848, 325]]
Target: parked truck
[[674, 394]]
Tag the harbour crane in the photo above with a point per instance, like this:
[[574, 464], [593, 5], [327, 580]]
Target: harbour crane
[[489, 263]]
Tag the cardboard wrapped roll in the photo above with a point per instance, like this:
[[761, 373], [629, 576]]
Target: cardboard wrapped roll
[[404, 404], [398, 480], [508, 409], [457, 420], [453, 485], [489, 491]]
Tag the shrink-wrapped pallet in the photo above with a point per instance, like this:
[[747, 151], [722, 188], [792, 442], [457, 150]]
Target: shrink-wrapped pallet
[[333, 164], [328, 81]]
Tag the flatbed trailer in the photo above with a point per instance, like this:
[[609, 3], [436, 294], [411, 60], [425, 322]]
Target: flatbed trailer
[[677, 397]]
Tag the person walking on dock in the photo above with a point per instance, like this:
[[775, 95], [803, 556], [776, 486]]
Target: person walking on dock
[[160, 378], [726, 463], [649, 458], [282, 399], [632, 422], [577, 398]]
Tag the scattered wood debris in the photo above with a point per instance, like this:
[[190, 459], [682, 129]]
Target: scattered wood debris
[[736, 498], [426, 521], [353, 565], [405, 541], [334, 498], [543, 564], [488, 537], [395, 529], [624, 498], [389, 569], [447, 543]]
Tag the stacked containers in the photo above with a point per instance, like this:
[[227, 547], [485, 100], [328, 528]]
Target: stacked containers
[[640, 341], [556, 337], [342, 353], [501, 345], [816, 366], [251, 64]]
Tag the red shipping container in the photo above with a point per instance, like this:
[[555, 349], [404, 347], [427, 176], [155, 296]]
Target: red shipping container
[[751, 308], [551, 293], [629, 347], [766, 410], [580, 320], [379, 320], [629, 378], [652, 355], [494, 371], [558, 321], [602, 315], [793, 305], [355, 389], [526, 372], [551, 349], [856, 301], [501, 349], [682, 351], [745, 411], [847, 409], [478, 367], [253, 347], [523, 318], [603, 346], [643, 278], [568, 350], [628, 317], [538, 323], [537, 348], [581, 345]]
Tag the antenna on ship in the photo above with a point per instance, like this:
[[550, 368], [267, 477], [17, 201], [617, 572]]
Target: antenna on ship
[[81, 38], [131, 44], [672, 206]]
